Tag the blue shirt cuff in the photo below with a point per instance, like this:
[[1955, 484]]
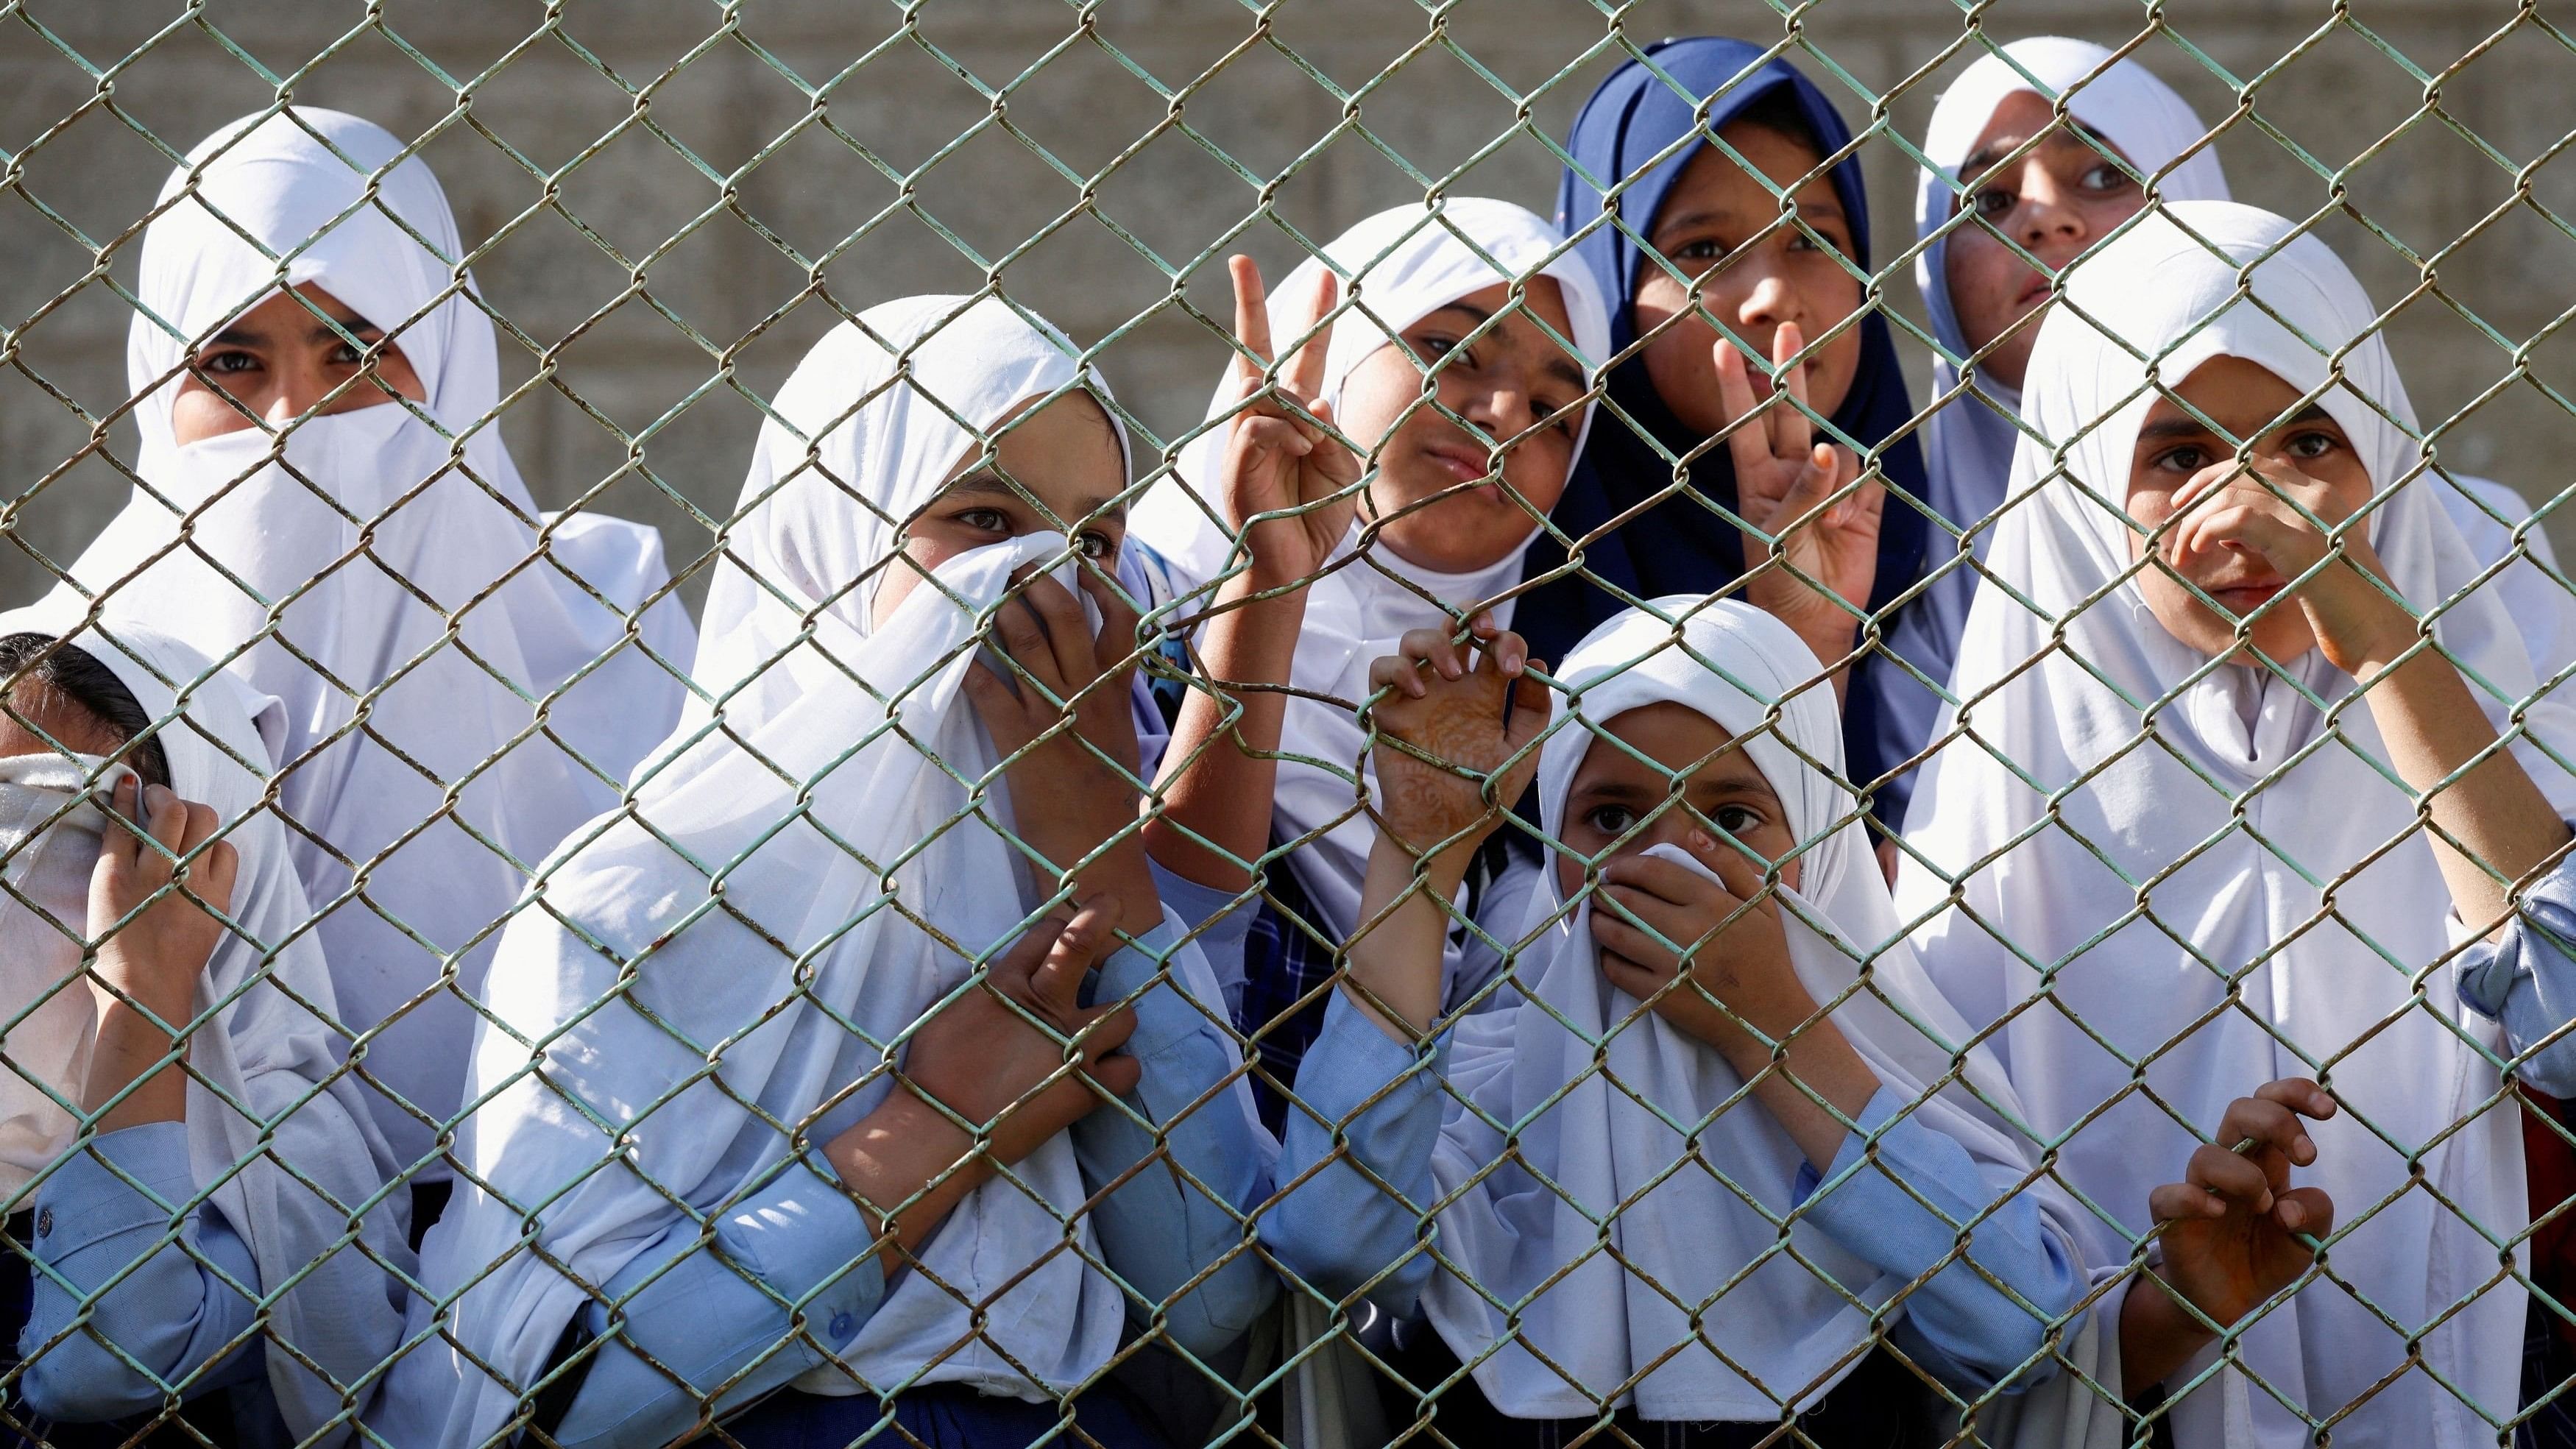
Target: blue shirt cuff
[[84, 1202]]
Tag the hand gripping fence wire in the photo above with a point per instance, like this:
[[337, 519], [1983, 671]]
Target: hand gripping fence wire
[[658, 209]]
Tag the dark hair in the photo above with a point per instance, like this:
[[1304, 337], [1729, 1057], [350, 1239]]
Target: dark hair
[[1778, 112], [74, 675]]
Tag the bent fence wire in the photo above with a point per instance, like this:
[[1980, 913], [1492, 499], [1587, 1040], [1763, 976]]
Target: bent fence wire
[[1320, 1367]]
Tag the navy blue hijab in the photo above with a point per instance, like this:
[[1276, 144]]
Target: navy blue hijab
[[1682, 546]]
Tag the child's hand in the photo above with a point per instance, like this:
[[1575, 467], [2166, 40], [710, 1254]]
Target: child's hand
[[2247, 509], [1431, 700], [1782, 476], [1065, 800], [1737, 953], [154, 960], [2232, 1228], [979, 1057], [1275, 460]]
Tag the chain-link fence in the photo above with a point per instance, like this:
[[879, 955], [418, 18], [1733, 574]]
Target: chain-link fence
[[1666, 823]]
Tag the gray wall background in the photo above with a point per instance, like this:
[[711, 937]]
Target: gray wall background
[[2334, 125]]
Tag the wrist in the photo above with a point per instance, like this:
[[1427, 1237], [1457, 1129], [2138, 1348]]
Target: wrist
[[2157, 1335]]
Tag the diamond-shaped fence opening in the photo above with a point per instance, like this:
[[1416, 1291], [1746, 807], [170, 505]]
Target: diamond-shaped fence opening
[[1407, 729]]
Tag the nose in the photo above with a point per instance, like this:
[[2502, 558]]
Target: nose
[[1502, 409], [2047, 222], [294, 391], [1765, 298]]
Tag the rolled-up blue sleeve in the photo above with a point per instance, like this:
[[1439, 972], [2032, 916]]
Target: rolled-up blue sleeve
[[1168, 1221], [1356, 1165], [103, 1342], [719, 1310], [1958, 1322], [1221, 919], [2525, 980]]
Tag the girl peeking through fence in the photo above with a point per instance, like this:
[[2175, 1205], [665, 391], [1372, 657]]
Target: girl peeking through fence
[[1720, 1156], [1687, 235], [2248, 770], [324, 505], [765, 1112], [2016, 194], [1386, 478], [200, 1224]]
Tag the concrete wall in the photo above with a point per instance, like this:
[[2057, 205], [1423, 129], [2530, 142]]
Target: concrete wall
[[2475, 269]]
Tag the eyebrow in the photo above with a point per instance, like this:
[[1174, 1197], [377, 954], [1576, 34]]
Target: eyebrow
[[352, 323], [2189, 427], [2056, 137], [986, 482], [1558, 366]]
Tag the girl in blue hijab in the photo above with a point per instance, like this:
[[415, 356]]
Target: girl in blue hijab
[[1643, 514]]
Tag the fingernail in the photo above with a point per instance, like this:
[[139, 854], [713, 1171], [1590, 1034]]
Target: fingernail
[[1701, 839], [2292, 1215]]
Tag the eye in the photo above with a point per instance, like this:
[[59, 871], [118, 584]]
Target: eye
[[1994, 201], [2313, 444], [1611, 819], [1434, 347], [230, 360], [1098, 547], [1703, 249], [1737, 820], [2189, 458], [2106, 177], [985, 520]]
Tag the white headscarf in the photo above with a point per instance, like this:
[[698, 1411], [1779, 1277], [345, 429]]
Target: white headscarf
[[1787, 1324], [266, 1082], [849, 847], [2187, 845], [362, 537], [1397, 268], [1970, 449], [863, 434]]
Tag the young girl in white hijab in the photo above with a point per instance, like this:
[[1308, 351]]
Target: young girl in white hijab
[[2161, 864], [164, 1195], [1341, 554], [2007, 185], [363, 498], [696, 1177], [1638, 1212]]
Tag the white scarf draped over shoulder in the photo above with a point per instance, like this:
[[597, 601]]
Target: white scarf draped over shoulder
[[368, 534], [2181, 882], [1579, 1107], [277, 1127], [1396, 268], [862, 883]]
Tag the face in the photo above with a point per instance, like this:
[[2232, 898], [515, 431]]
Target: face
[[278, 360], [1445, 503], [2061, 198], [1712, 229], [2248, 400], [1626, 806], [1066, 462]]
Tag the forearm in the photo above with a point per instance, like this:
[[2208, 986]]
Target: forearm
[[1220, 771], [1819, 1063], [130, 1048], [1395, 962], [2157, 1335], [2498, 817], [907, 1165]]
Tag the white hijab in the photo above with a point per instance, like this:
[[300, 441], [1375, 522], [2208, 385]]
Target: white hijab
[[2182, 844], [1970, 448], [1791, 1308], [1397, 268], [282, 524], [853, 854], [279, 1136]]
